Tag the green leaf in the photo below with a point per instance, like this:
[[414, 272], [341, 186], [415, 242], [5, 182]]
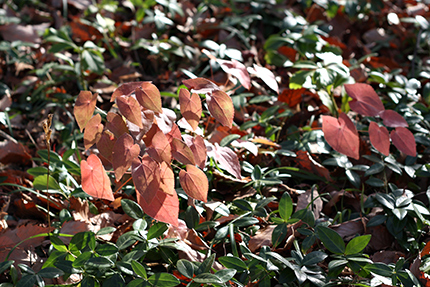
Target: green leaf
[[246, 221], [376, 182], [156, 230], [99, 262], [207, 278], [138, 283], [27, 280], [106, 230], [58, 244], [106, 249], [331, 239], [89, 282], [374, 169], [5, 265], [357, 244], [313, 258], [163, 280], [50, 272], [127, 239], [225, 274], [82, 241], [285, 206], [279, 234], [233, 263], [228, 139], [115, 280], [131, 208], [186, 268], [206, 266], [81, 259], [39, 183], [379, 269], [139, 269]]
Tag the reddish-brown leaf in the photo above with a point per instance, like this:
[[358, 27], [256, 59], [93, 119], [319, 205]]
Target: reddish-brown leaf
[[124, 151], [160, 149], [163, 207], [93, 131], [105, 145], [226, 158], [181, 152], [404, 140], [146, 177], [364, 99], [194, 182], [379, 138], [147, 122], [341, 135], [149, 97], [130, 109], [167, 183], [84, 108], [199, 150], [191, 107], [426, 250], [393, 119], [306, 162], [221, 107], [125, 90], [292, 97], [174, 133], [200, 85], [238, 70], [115, 123], [95, 181]]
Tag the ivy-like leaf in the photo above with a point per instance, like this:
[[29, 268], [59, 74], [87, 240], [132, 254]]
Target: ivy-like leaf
[[364, 99], [124, 151], [393, 119], [163, 207], [115, 123], [130, 109], [149, 97], [191, 107], [146, 177], [181, 152], [95, 181], [404, 140], [379, 138], [341, 135], [167, 183], [93, 131], [221, 107], [194, 182], [84, 108], [125, 89]]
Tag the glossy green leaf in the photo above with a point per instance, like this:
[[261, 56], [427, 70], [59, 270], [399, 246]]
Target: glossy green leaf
[[50, 272], [357, 244], [279, 234], [131, 208], [313, 258], [233, 263], [156, 230], [331, 239], [139, 269], [285, 206], [186, 268], [164, 280], [379, 269], [225, 275]]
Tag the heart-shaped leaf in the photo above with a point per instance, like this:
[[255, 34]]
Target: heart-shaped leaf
[[105, 145], [125, 90], [124, 151], [146, 177], [194, 182], [200, 85], [95, 181], [181, 152], [130, 109], [365, 100], [393, 119], [221, 107], [341, 135], [199, 150], [404, 140], [93, 131], [191, 107], [84, 108], [175, 132], [163, 207], [160, 149], [116, 124], [149, 97], [379, 138], [167, 184]]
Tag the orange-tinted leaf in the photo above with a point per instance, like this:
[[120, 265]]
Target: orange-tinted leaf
[[181, 152], [306, 162], [115, 123], [341, 135], [393, 119], [221, 107], [364, 99], [191, 107], [160, 149], [265, 141], [379, 138], [199, 150], [426, 250], [167, 183], [84, 108], [95, 181], [163, 207], [146, 177], [226, 158], [147, 138], [238, 70], [174, 133], [404, 140], [149, 97], [124, 151], [200, 85], [105, 145], [93, 131], [130, 109], [292, 97], [125, 90], [194, 182], [267, 76]]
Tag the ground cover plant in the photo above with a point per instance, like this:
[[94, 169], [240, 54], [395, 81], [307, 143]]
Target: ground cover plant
[[214, 143]]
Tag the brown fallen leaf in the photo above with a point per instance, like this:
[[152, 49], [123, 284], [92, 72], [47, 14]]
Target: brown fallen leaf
[[305, 198]]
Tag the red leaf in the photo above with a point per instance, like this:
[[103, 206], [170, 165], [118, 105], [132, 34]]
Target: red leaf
[[365, 100], [200, 85], [267, 76], [426, 250], [199, 150], [181, 152], [379, 138], [194, 182], [221, 107], [115, 123], [125, 90], [124, 151], [226, 158], [95, 181], [191, 107], [93, 131], [174, 133], [105, 145], [84, 108], [147, 117], [404, 140], [167, 184], [160, 149], [238, 70], [393, 119], [146, 177], [130, 109], [292, 97], [163, 207], [341, 135], [306, 162], [149, 97]]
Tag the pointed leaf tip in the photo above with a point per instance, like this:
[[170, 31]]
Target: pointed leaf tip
[[95, 181], [365, 100], [379, 138], [194, 182]]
